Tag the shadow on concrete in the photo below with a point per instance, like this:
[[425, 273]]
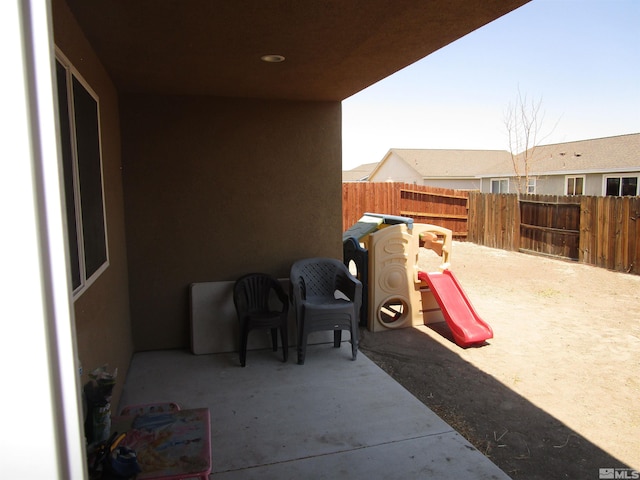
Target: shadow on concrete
[[523, 440]]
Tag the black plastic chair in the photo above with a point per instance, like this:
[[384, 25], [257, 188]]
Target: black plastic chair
[[326, 296], [261, 303], [352, 251]]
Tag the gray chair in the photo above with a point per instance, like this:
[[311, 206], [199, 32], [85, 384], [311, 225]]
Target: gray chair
[[325, 296]]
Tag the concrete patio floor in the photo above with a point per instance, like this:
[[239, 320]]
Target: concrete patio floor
[[331, 418]]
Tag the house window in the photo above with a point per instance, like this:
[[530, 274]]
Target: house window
[[531, 185], [575, 186], [621, 186], [499, 185], [82, 172]]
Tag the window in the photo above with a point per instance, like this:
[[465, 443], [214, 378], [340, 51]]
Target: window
[[621, 186], [531, 185], [499, 185], [82, 172], [575, 186]]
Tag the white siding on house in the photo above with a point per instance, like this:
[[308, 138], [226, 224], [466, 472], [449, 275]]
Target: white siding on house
[[395, 169], [455, 183], [550, 185], [593, 184]]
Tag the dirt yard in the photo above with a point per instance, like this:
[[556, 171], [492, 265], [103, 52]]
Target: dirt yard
[[556, 393]]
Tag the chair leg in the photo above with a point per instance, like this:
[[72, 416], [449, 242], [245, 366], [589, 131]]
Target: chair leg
[[274, 339], [244, 335], [337, 338], [354, 341], [284, 336], [302, 343], [302, 350]]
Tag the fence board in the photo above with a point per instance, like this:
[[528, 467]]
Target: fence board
[[600, 207], [587, 236], [633, 254], [619, 219]]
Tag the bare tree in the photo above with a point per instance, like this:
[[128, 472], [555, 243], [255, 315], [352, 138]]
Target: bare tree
[[524, 121]]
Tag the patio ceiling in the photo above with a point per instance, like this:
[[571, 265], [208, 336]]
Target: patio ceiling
[[333, 48]]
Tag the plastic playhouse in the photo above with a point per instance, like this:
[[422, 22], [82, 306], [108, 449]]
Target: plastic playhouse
[[396, 294]]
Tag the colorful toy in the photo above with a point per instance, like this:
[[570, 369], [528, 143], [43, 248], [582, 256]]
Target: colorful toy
[[399, 294]]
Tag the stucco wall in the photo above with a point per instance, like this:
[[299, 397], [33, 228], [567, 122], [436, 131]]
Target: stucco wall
[[103, 326], [215, 188]]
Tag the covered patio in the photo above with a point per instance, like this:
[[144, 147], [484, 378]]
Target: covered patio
[[331, 418], [209, 162]]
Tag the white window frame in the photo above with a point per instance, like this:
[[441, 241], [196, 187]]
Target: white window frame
[[574, 178], [499, 180], [532, 185], [85, 282], [620, 176]]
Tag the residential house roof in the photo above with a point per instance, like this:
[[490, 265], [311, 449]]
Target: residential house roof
[[359, 173], [597, 155], [449, 163]]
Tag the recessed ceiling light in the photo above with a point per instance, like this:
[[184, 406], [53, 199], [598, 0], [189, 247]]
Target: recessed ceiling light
[[272, 58]]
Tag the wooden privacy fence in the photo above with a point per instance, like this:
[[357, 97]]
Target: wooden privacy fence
[[438, 206], [610, 232], [600, 231]]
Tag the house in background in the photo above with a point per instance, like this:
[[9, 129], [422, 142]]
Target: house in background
[[457, 169], [600, 166], [359, 174]]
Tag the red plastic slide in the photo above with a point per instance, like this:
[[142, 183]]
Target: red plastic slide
[[465, 323]]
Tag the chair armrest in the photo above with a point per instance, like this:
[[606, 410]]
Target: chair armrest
[[349, 285], [297, 289]]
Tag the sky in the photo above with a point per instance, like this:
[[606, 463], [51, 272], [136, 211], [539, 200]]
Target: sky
[[579, 58]]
